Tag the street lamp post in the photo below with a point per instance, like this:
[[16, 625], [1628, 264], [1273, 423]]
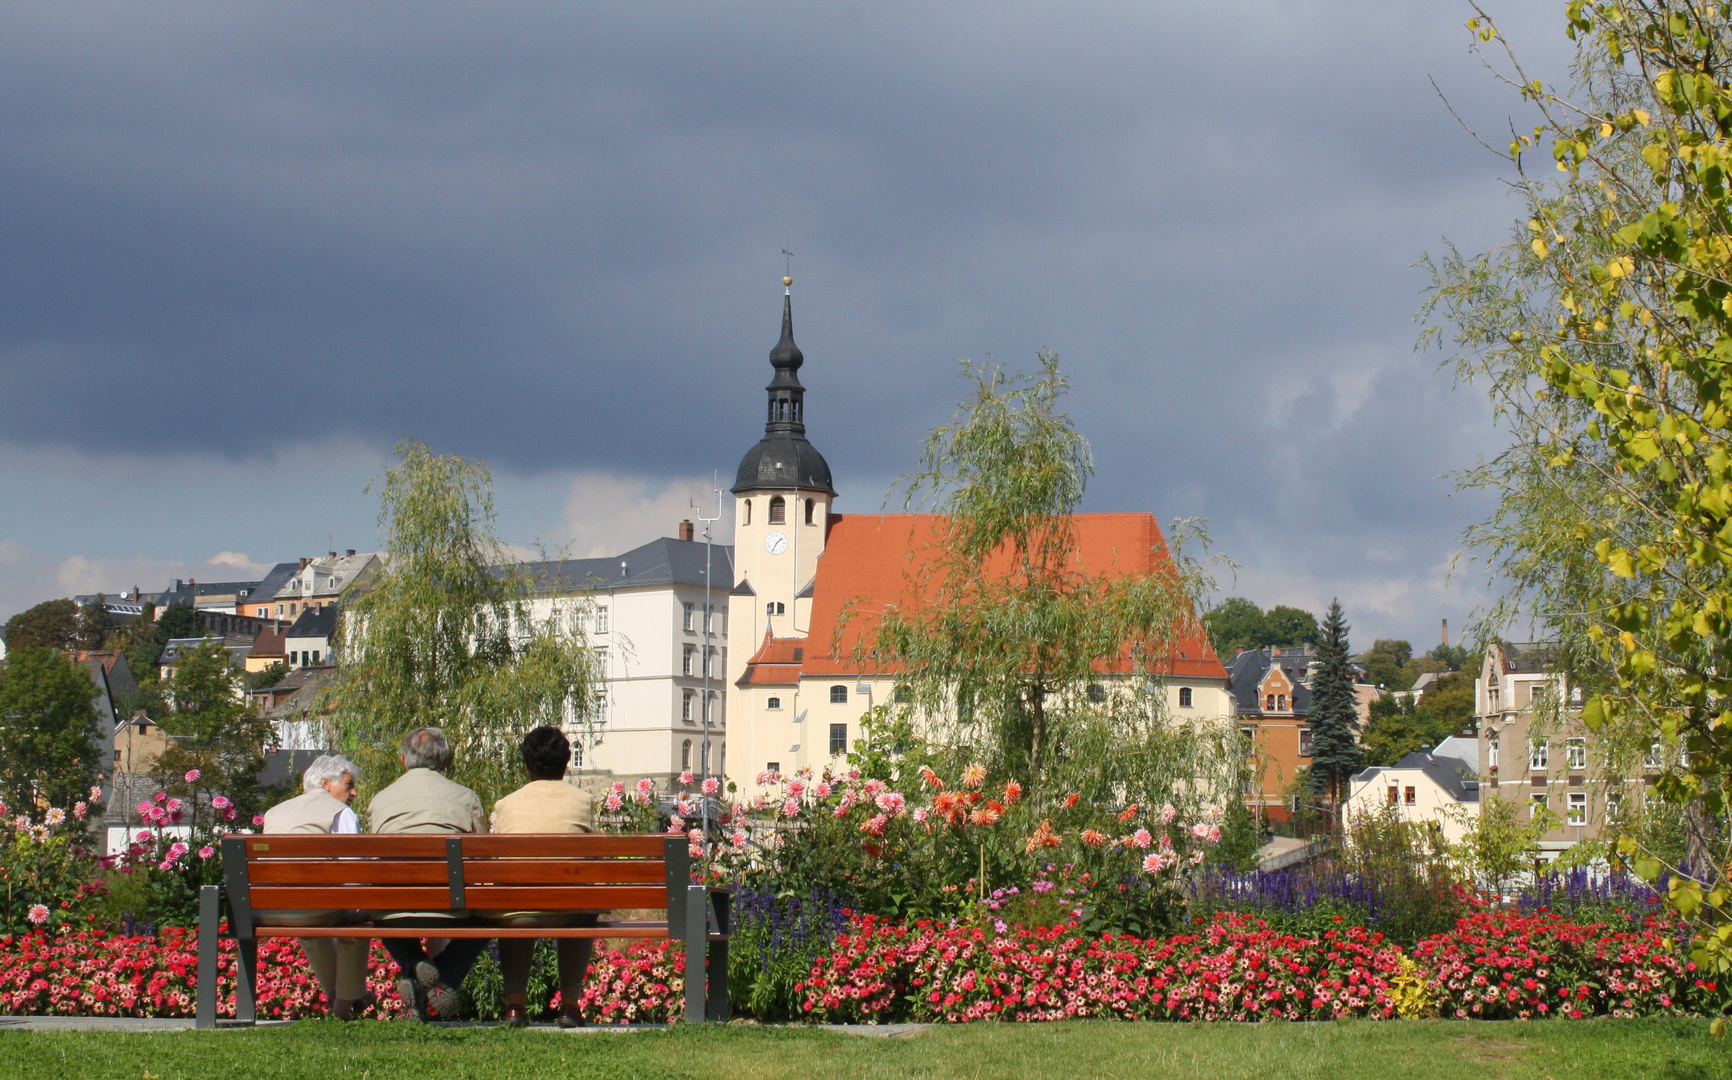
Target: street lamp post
[[708, 635]]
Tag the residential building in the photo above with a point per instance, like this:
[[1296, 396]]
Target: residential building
[[177, 648], [1535, 750], [657, 632], [261, 603], [797, 693], [1437, 787], [117, 691], [1271, 690], [321, 583], [295, 707], [308, 641], [270, 647]]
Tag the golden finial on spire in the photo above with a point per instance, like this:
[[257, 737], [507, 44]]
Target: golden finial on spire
[[786, 281]]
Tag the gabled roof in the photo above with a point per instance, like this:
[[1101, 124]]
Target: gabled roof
[[275, 579], [270, 644], [663, 561], [1452, 774], [1248, 669], [313, 624], [776, 663], [873, 561]]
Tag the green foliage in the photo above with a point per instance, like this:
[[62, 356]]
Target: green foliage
[[1500, 842], [216, 732], [1240, 838], [179, 621], [52, 624], [1001, 659], [50, 748], [1600, 331], [1335, 753], [1386, 662], [1237, 623], [1409, 865], [268, 676], [95, 624], [1397, 728], [446, 637]]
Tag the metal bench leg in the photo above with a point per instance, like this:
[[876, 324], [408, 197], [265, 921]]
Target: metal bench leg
[[246, 979], [719, 1010], [697, 935], [209, 913]]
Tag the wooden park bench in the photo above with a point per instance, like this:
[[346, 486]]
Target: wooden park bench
[[434, 872]]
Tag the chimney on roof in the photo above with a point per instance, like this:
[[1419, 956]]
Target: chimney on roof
[[304, 562], [1240, 653], [177, 584], [685, 530], [331, 554], [349, 551]]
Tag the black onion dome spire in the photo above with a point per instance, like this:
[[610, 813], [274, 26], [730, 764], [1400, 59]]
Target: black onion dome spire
[[783, 458]]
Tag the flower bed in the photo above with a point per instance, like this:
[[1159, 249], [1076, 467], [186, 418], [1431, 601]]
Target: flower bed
[[1490, 966], [89, 973], [1234, 969], [1516, 966]]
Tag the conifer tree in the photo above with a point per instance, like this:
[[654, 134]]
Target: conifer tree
[[1334, 712]]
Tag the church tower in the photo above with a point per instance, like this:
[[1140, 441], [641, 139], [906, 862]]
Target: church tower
[[782, 499]]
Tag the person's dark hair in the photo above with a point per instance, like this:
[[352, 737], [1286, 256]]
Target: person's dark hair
[[546, 752]]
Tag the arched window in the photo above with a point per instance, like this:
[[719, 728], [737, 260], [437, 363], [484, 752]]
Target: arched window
[[686, 756], [808, 511], [838, 695], [773, 704], [748, 512], [778, 511], [1269, 703], [1184, 697], [577, 755], [1280, 702]]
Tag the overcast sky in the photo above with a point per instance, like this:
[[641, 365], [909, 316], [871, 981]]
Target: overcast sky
[[247, 247]]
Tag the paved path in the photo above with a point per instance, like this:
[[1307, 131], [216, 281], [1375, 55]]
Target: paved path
[[133, 1025]]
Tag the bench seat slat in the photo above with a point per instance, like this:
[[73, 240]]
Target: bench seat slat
[[475, 872], [478, 897], [432, 846]]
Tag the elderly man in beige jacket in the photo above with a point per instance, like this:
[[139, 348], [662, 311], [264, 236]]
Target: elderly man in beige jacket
[[423, 800], [547, 804], [339, 964]]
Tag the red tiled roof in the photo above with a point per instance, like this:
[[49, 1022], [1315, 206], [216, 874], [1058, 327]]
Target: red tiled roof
[[872, 561], [269, 643], [776, 663]]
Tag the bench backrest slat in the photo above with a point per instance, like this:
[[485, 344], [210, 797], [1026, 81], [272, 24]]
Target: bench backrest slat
[[475, 872], [478, 897]]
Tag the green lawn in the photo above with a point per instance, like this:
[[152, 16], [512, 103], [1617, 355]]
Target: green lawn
[[1408, 1050]]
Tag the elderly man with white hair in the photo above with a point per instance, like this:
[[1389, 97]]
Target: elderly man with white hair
[[339, 964]]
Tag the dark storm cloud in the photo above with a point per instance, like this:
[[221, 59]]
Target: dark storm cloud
[[547, 235]]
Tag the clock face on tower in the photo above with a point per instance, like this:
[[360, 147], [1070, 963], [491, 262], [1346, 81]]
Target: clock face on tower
[[776, 543]]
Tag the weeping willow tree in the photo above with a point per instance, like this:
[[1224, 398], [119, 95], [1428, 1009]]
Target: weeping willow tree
[[446, 637], [1022, 657]]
